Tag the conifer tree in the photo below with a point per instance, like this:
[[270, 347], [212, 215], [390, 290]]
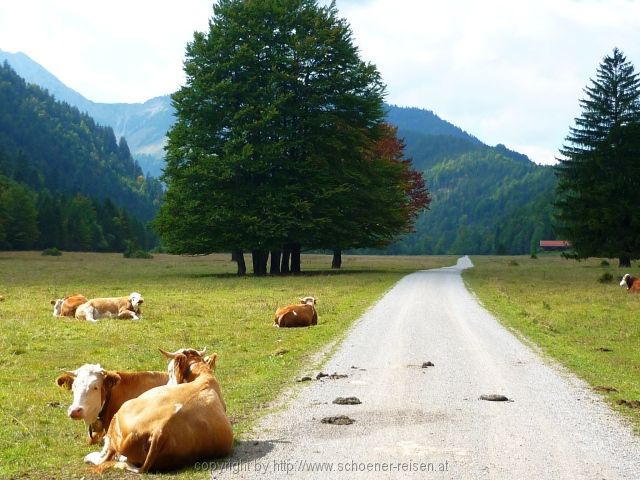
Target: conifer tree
[[599, 175]]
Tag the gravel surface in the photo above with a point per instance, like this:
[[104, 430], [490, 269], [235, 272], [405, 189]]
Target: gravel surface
[[420, 421]]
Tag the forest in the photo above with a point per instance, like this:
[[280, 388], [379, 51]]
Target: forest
[[65, 181]]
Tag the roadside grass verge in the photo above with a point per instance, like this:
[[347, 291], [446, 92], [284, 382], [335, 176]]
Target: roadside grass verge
[[189, 302], [574, 312]]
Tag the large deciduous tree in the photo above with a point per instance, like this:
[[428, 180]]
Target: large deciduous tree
[[274, 131], [598, 177]]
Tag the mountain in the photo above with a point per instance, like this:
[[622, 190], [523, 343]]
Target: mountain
[[55, 160], [144, 125], [486, 199]]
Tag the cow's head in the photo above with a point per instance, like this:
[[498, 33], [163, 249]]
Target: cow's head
[[179, 368], [308, 300], [57, 306], [625, 280], [136, 300], [90, 385]]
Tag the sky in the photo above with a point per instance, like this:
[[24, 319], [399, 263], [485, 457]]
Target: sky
[[505, 71]]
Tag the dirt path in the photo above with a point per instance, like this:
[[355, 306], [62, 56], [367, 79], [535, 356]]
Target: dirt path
[[417, 422]]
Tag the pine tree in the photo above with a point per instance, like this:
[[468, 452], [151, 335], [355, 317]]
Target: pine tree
[[599, 174]]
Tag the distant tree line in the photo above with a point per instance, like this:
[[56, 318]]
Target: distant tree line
[[38, 220]]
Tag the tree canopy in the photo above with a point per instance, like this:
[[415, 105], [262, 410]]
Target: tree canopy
[[598, 177], [278, 136]]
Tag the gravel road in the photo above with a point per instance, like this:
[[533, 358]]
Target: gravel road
[[417, 422]]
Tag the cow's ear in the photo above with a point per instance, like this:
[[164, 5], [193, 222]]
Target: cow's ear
[[65, 380], [211, 360], [181, 367], [110, 380]]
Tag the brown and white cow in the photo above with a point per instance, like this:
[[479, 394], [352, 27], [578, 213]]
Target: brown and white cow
[[172, 426], [67, 306], [301, 315], [120, 307], [98, 394], [632, 283]]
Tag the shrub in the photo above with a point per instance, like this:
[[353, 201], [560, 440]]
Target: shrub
[[605, 278], [604, 263], [137, 254], [51, 252]]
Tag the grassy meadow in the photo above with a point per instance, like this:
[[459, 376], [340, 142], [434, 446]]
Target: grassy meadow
[[592, 328], [189, 302]]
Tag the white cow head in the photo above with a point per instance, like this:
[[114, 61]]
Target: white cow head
[[57, 306], [89, 384], [623, 282], [136, 300], [191, 355], [308, 300]]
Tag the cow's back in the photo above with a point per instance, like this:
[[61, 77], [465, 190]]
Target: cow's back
[[172, 426], [297, 316]]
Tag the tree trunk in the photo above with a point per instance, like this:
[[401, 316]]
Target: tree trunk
[[295, 258], [624, 261], [238, 257], [337, 258], [284, 264], [275, 262], [259, 260]]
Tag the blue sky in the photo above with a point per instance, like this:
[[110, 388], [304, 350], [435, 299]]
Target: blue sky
[[507, 72]]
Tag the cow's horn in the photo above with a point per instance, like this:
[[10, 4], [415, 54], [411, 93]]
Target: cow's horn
[[167, 354], [202, 352]]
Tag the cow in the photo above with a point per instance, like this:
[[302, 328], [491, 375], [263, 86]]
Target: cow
[[98, 394], [172, 426], [120, 307], [301, 315], [67, 306], [632, 283]]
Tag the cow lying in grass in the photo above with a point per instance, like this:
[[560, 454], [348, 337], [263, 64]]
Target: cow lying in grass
[[632, 283], [172, 426], [301, 315], [119, 307], [67, 306], [98, 394]]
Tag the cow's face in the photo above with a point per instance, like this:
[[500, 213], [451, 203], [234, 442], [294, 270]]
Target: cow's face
[[57, 306], [623, 282], [136, 300], [180, 364], [89, 385], [308, 300]]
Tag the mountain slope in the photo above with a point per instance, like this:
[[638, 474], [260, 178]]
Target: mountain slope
[[49, 145], [144, 125]]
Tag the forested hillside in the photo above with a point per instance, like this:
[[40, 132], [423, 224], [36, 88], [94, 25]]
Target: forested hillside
[[60, 170], [483, 202], [484, 199], [144, 125]]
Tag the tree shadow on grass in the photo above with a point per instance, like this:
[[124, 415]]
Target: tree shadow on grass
[[313, 273]]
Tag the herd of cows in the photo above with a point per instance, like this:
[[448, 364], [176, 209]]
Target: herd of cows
[[154, 421], [161, 420]]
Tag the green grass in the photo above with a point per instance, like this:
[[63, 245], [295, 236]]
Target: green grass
[[562, 306], [189, 302]]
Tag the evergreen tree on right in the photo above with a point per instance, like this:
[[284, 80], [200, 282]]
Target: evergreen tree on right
[[598, 191]]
